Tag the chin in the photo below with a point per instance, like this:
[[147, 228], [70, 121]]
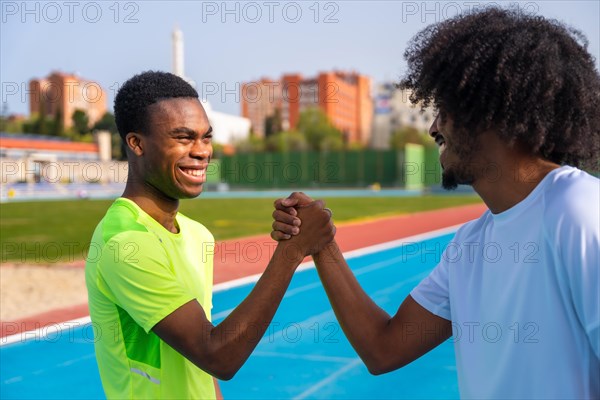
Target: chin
[[192, 195], [188, 193], [448, 181], [451, 179]]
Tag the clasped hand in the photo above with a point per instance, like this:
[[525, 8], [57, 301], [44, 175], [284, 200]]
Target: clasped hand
[[302, 221]]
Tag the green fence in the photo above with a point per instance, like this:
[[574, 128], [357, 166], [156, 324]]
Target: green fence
[[213, 172], [431, 172], [326, 169]]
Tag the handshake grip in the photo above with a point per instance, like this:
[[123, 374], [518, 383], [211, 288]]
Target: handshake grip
[[317, 229]]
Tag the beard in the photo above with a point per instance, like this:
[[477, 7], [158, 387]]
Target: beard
[[453, 177], [449, 181], [462, 172]]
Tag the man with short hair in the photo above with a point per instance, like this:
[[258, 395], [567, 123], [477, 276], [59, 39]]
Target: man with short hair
[[149, 277], [518, 102]]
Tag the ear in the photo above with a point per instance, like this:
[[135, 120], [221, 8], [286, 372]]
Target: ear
[[134, 142]]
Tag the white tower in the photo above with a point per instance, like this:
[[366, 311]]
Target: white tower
[[226, 128], [178, 52]]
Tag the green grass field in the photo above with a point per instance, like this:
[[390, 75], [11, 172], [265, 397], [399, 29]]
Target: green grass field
[[51, 231]]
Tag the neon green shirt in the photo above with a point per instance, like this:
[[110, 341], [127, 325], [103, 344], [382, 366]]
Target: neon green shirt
[[137, 273]]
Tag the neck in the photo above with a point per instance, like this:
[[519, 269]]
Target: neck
[[514, 176], [160, 207]]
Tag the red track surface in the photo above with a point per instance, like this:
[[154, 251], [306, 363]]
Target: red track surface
[[248, 256]]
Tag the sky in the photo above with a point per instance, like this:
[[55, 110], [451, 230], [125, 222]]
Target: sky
[[228, 43]]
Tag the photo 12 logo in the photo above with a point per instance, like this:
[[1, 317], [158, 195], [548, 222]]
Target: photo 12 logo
[[270, 11], [428, 12], [52, 92], [53, 12]]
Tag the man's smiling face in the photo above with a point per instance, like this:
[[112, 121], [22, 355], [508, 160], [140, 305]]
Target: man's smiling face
[[177, 148]]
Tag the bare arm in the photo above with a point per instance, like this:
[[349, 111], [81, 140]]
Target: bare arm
[[384, 343], [221, 350]]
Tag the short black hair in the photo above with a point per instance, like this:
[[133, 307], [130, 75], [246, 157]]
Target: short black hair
[[527, 78], [143, 90]]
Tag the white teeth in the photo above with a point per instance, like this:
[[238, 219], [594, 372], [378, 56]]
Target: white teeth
[[442, 148], [194, 172]]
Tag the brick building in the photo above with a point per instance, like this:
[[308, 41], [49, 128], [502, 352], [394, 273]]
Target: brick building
[[62, 94], [260, 100], [344, 97]]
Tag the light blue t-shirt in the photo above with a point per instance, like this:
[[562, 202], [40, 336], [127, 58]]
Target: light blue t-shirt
[[522, 289]]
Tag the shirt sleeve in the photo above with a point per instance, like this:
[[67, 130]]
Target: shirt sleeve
[[135, 273], [577, 241], [432, 293]]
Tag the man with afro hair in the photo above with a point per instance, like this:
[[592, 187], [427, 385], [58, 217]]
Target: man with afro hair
[[518, 100], [149, 277]]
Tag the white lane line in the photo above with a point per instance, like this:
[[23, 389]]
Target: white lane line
[[300, 289], [219, 287], [329, 379], [41, 333], [13, 380]]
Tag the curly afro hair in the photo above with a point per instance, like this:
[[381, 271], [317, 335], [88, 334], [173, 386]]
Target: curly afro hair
[[142, 90], [526, 78]]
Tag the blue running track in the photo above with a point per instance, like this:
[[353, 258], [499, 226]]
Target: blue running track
[[303, 355]]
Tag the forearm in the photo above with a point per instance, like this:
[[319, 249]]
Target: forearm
[[383, 343], [361, 319], [234, 339]]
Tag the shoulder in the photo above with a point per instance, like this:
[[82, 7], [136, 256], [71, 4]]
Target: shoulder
[[572, 198], [124, 235], [569, 183], [122, 220]]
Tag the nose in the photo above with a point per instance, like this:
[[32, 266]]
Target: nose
[[202, 149], [433, 129]]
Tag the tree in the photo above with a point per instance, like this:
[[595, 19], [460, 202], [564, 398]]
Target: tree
[[58, 126], [81, 122], [320, 133], [286, 141], [218, 150], [106, 123], [273, 123], [409, 134], [29, 126], [331, 142], [12, 125], [253, 144], [38, 124]]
